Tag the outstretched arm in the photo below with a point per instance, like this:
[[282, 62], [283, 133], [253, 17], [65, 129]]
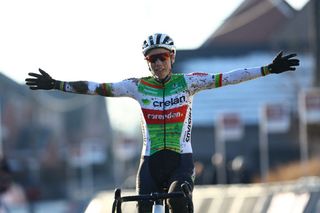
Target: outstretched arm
[[45, 82], [201, 81], [279, 64]]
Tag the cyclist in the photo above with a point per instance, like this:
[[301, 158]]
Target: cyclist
[[166, 103]]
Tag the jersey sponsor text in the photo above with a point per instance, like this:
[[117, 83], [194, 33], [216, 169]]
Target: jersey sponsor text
[[171, 102]]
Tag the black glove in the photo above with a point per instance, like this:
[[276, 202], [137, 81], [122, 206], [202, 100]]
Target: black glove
[[282, 64], [41, 81]]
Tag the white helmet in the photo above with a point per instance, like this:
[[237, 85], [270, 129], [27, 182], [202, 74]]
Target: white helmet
[[158, 40]]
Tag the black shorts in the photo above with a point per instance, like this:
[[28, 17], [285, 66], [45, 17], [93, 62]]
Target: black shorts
[[157, 172]]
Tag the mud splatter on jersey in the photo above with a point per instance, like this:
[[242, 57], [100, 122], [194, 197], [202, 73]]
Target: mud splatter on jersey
[[166, 108]]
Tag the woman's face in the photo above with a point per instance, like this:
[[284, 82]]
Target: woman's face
[[160, 62]]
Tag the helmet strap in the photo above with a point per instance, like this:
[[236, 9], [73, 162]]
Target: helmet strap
[[167, 78]]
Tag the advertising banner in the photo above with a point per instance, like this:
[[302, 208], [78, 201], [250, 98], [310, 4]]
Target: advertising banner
[[309, 106], [276, 118], [230, 126]]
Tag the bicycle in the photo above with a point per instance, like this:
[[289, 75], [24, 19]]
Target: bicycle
[[158, 199]]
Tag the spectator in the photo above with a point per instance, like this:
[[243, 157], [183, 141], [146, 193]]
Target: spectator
[[11, 194]]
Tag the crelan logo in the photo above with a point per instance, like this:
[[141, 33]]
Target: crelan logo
[[170, 102], [146, 101]]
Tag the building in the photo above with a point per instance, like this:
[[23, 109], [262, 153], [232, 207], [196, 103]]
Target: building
[[52, 137], [251, 37]]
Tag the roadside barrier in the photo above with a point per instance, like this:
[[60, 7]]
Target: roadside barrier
[[302, 195]]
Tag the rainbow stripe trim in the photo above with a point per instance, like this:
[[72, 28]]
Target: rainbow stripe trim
[[218, 80]]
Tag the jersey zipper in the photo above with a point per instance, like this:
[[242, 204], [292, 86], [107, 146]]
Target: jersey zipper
[[164, 117], [165, 184]]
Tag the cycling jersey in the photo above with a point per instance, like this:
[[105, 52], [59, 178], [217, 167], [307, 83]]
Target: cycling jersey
[[166, 107]]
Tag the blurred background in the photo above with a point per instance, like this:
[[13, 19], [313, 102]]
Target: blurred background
[[62, 149]]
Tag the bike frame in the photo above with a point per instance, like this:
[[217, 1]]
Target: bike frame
[[157, 199]]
